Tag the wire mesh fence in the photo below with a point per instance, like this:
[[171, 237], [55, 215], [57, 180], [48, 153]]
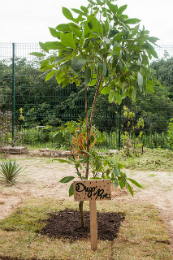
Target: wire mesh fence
[[28, 103]]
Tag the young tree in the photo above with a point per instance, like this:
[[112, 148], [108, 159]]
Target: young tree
[[100, 47]]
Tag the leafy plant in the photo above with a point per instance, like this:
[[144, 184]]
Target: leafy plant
[[9, 171], [100, 50]]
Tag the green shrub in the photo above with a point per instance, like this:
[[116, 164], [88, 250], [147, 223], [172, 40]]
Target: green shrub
[[170, 133], [9, 171]]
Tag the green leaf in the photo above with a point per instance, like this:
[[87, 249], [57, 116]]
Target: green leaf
[[77, 64], [67, 179], [79, 174], [44, 47], [112, 33], [84, 9], [59, 77], [93, 82], [76, 31], [118, 98], [152, 39], [116, 172], [46, 68], [54, 45], [111, 96], [129, 188], [117, 50], [94, 24], [121, 182], [54, 32], [77, 11], [87, 75], [71, 190], [66, 12], [105, 90], [63, 27], [37, 54], [65, 82], [113, 8], [63, 161], [91, 2], [140, 80], [84, 178], [122, 9], [116, 183], [104, 69], [135, 183], [50, 75], [132, 21], [44, 63], [67, 40], [150, 86]]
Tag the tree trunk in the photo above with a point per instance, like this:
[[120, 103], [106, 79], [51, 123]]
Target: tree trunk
[[89, 126]]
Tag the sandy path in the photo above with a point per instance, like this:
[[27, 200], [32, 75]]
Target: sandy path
[[41, 179]]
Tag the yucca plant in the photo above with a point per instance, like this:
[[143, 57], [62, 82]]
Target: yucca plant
[[9, 171]]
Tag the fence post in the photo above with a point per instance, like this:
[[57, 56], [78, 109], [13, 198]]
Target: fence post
[[13, 92]]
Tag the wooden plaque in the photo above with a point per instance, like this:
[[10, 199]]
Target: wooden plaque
[[92, 190]]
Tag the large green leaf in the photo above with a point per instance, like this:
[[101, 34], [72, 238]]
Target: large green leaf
[[71, 190], [122, 9], [111, 96], [105, 90], [94, 24], [63, 27], [152, 51], [140, 79], [104, 69], [152, 39], [37, 54], [116, 183], [65, 82], [135, 183], [77, 11], [66, 12], [67, 179], [84, 9], [50, 75], [54, 32], [118, 98], [78, 64], [54, 45], [76, 31], [132, 21], [63, 161], [129, 188], [113, 8], [150, 86], [46, 68], [67, 40], [87, 75], [44, 47]]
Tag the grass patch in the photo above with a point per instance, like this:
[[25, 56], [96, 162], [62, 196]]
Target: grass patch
[[142, 234], [150, 160]]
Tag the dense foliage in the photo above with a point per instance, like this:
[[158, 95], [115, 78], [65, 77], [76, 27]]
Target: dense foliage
[[46, 103]]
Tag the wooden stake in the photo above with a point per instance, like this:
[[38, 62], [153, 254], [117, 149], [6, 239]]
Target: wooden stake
[[93, 224]]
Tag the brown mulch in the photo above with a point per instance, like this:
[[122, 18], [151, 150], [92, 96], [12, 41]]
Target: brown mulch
[[66, 224]]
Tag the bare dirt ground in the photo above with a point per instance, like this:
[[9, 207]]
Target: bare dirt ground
[[41, 179]]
